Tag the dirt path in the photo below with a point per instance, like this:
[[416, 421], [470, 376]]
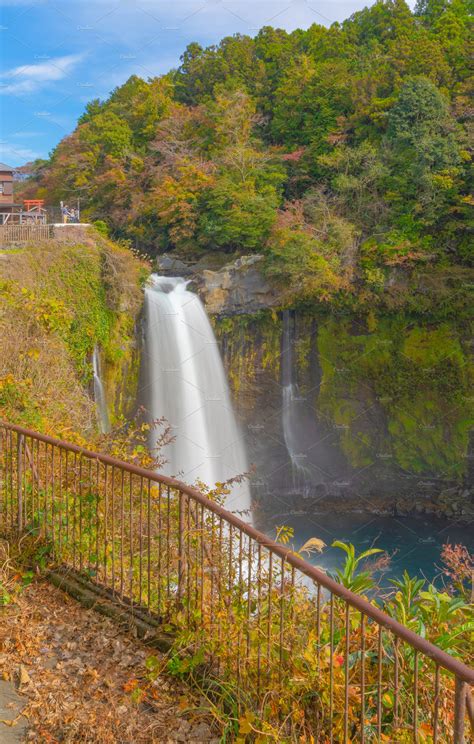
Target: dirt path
[[76, 677], [13, 725]]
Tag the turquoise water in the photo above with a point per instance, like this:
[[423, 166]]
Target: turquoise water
[[413, 543]]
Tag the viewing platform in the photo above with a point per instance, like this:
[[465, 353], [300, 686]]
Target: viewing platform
[[32, 219]]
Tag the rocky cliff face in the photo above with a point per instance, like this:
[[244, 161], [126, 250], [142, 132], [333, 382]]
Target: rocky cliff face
[[339, 416], [237, 288], [234, 289], [343, 412]]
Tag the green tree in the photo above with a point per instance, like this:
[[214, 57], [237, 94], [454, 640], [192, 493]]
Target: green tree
[[233, 63], [356, 175], [108, 133], [142, 105], [424, 153], [240, 208], [431, 10]]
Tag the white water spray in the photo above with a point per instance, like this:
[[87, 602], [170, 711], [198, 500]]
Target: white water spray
[[99, 393], [186, 384]]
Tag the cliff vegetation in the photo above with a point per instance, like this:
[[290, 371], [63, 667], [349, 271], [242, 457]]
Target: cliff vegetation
[[58, 300]]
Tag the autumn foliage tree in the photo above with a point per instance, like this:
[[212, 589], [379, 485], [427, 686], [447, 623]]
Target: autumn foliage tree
[[373, 113]]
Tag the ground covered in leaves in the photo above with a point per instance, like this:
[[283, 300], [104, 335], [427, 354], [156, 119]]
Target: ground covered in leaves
[[70, 675]]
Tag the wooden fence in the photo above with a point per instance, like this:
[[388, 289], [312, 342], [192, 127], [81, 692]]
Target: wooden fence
[[23, 233]]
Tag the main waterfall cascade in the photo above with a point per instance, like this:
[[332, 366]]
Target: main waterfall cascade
[[99, 393], [186, 384]]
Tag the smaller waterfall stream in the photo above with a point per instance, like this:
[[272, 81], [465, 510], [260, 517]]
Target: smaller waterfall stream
[[99, 393], [293, 413], [315, 461], [186, 384]]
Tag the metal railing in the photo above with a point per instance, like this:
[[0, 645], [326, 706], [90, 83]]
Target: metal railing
[[10, 233], [282, 637]]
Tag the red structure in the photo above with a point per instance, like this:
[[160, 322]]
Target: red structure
[[33, 203], [32, 212]]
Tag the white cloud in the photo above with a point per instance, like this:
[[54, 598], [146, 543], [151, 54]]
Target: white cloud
[[16, 156], [26, 134], [29, 78]]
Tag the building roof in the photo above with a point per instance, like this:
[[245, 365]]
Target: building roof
[[4, 167]]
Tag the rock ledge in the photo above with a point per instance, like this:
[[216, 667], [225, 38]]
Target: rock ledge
[[237, 288]]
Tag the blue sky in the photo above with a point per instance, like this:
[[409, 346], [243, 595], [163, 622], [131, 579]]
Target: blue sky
[[58, 54]]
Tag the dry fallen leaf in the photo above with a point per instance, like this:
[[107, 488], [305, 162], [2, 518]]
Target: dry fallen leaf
[[10, 721], [25, 678]]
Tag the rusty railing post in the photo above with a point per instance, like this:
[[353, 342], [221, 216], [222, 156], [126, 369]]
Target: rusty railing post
[[19, 475], [180, 548], [459, 711], [470, 706]]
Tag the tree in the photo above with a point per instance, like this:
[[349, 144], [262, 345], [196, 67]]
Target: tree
[[275, 48], [232, 64], [107, 132], [175, 201], [142, 104], [299, 262], [237, 216], [356, 175], [424, 152], [420, 111], [240, 208], [431, 10]]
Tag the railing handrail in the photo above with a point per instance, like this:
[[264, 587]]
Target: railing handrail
[[440, 657]]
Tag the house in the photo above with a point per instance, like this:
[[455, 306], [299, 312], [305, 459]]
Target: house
[[6, 191], [31, 212]]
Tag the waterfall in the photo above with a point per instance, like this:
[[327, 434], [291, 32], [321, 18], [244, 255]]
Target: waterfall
[[186, 383], [312, 445], [99, 393], [293, 412]]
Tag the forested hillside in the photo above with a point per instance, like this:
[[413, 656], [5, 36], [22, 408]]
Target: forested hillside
[[341, 154]]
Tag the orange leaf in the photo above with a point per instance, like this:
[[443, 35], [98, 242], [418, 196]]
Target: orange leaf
[[131, 685]]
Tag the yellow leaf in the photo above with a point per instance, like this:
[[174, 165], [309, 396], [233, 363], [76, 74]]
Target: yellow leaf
[[245, 727], [313, 544], [9, 722], [25, 678], [244, 724]]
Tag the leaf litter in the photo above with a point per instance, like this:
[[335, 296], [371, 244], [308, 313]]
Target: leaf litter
[[85, 680]]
